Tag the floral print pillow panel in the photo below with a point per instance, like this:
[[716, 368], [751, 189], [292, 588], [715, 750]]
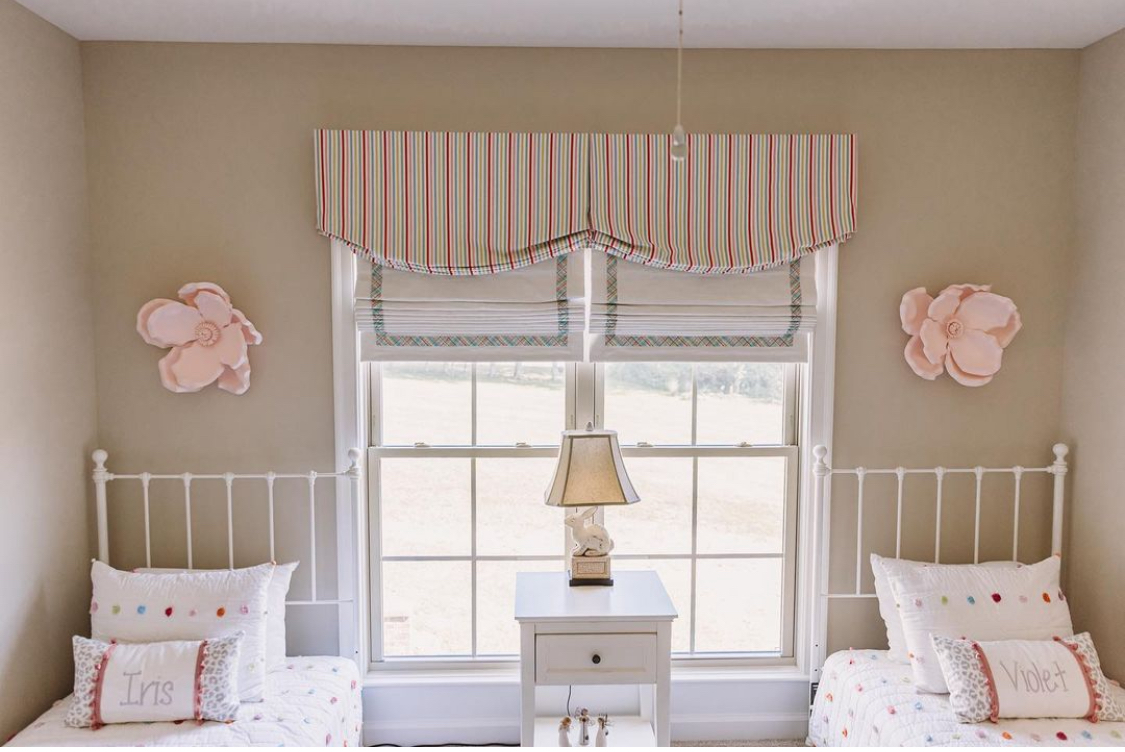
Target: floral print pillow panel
[[1058, 678], [152, 682]]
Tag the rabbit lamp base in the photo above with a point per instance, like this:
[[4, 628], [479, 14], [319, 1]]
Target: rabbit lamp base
[[589, 561]]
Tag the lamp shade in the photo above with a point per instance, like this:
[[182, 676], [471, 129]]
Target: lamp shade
[[590, 472]]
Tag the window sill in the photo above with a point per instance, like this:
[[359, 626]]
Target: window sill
[[417, 676]]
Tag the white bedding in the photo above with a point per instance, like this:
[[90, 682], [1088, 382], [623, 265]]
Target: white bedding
[[310, 702], [866, 700]]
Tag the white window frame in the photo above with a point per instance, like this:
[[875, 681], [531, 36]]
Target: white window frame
[[585, 403], [350, 420]]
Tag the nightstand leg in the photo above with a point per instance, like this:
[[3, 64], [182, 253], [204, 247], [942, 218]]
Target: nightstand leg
[[527, 685], [664, 685]]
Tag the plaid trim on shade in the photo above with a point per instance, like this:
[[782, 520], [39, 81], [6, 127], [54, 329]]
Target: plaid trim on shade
[[738, 203], [612, 339], [453, 203], [376, 323]]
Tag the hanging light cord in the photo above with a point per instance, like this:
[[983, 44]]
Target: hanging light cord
[[680, 66]]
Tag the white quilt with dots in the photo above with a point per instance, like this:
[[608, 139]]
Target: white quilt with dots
[[865, 700], [310, 702]]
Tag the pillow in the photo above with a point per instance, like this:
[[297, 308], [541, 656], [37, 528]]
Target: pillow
[[275, 608], [1060, 678], [977, 603], [883, 569], [157, 681], [141, 607]]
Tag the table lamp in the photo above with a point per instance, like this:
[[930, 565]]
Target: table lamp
[[590, 474]]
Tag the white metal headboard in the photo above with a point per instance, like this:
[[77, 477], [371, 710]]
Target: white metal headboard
[[823, 472], [347, 605]]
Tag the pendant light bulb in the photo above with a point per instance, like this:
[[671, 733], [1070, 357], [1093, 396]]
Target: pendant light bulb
[[679, 146], [679, 143]]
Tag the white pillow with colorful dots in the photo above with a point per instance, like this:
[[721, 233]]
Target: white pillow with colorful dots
[[133, 607], [977, 603]]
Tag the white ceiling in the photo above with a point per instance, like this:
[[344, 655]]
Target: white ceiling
[[597, 23]]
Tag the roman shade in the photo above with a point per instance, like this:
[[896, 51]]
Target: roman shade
[[533, 313], [641, 312]]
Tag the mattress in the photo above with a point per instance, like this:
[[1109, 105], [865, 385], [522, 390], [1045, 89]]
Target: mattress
[[865, 700], [310, 702]]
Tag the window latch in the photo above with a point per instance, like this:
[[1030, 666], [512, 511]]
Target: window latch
[[522, 445], [643, 444], [421, 445], [745, 444]]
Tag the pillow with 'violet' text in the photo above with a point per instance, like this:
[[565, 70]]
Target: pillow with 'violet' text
[[156, 681], [977, 603], [1060, 678], [141, 607], [884, 569]]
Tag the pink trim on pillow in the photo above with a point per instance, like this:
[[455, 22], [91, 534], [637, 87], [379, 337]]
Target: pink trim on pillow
[[1092, 715], [993, 697], [99, 680], [197, 696]]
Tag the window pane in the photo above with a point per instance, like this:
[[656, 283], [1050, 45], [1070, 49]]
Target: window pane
[[661, 522], [427, 607], [511, 516], [497, 630], [426, 507], [428, 402], [739, 402], [520, 402], [738, 605], [676, 576], [649, 402], [741, 505]]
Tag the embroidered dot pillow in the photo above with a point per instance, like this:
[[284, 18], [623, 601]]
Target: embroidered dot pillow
[[977, 603], [884, 569], [1059, 678], [158, 681], [275, 605], [142, 607]]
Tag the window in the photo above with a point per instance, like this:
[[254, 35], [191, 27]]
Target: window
[[462, 453]]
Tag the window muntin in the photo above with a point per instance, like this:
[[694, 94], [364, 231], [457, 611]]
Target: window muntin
[[462, 452]]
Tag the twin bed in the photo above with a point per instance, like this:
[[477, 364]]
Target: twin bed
[[863, 698], [311, 701]]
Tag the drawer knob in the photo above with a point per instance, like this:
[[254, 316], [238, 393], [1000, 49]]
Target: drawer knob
[[596, 659]]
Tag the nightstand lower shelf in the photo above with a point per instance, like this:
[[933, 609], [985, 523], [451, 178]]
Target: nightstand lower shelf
[[626, 731]]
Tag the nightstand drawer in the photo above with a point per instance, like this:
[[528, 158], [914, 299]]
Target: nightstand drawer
[[628, 658]]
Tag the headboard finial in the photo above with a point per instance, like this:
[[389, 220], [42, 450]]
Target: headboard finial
[[1061, 451], [354, 455], [819, 452], [100, 456]]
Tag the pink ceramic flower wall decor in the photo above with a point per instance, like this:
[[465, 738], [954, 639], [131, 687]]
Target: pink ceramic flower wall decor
[[208, 336], [964, 330]]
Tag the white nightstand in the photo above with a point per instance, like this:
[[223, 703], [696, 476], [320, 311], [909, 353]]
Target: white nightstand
[[596, 635]]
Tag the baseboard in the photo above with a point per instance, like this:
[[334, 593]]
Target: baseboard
[[506, 730], [742, 726], [428, 732]]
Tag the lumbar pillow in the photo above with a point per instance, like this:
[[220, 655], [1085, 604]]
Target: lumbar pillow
[[141, 607], [977, 603], [1060, 678], [275, 608], [884, 569], [158, 681]]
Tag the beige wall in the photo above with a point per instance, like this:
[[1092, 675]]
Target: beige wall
[[1094, 414], [47, 375], [200, 161]]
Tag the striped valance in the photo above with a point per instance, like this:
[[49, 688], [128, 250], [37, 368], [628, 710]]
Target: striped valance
[[737, 203], [453, 203], [481, 203]]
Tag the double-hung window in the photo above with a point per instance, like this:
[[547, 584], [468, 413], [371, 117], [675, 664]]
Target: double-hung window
[[461, 454]]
